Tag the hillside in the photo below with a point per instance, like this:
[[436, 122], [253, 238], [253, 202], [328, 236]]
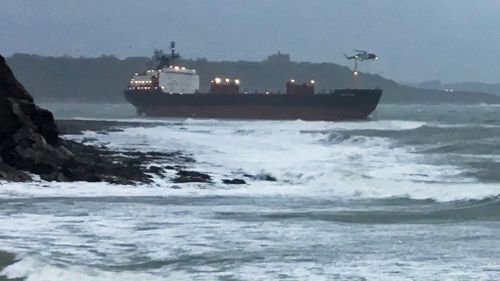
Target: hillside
[[102, 79], [490, 88]]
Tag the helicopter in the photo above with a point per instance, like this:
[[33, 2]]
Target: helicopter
[[359, 57], [362, 55]]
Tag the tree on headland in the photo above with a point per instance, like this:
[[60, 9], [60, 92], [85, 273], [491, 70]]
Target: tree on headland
[[103, 79]]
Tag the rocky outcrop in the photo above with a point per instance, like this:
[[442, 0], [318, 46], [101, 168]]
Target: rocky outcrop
[[234, 181], [184, 176], [30, 144]]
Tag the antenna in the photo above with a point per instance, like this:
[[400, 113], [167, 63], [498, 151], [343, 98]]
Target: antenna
[[172, 49]]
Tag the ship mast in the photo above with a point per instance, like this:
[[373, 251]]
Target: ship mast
[[172, 55], [355, 75]]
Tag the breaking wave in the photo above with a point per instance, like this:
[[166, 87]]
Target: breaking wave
[[361, 195]]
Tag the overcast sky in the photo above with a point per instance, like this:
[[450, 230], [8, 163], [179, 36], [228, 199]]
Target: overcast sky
[[450, 40]]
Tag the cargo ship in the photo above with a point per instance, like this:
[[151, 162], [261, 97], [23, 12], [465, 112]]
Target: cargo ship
[[170, 90]]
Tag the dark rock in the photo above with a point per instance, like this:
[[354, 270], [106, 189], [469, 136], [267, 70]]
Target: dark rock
[[11, 174], [262, 177], [266, 177], [30, 142], [234, 181], [6, 259], [88, 140], [159, 171], [155, 169], [191, 176]]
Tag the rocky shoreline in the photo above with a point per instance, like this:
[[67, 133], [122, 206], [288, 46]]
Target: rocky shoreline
[[157, 163], [31, 144], [177, 161]]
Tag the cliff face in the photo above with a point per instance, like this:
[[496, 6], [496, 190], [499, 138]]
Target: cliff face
[[28, 134], [17, 109], [30, 144]]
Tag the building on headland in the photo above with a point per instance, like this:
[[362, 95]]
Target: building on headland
[[278, 58]]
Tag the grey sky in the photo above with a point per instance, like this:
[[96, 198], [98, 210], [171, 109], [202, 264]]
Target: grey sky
[[451, 40]]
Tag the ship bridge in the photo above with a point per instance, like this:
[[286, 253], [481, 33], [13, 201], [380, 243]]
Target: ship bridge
[[172, 79], [144, 81], [176, 79]]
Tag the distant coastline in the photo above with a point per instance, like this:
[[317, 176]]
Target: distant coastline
[[489, 88], [103, 79]]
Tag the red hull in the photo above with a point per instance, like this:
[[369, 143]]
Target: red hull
[[260, 112], [341, 105]]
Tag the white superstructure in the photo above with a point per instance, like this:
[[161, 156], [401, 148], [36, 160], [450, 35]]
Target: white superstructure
[[143, 81], [172, 79], [175, 79]]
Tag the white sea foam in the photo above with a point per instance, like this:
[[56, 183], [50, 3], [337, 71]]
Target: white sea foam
[[38, 269], [304, 162], [66, 232], [291, 229]]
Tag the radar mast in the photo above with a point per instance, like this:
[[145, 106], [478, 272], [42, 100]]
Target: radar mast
[[172, 55]]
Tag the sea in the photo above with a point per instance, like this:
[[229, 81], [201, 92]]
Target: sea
[[410, 194]]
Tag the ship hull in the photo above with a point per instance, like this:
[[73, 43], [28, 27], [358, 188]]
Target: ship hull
[[348, 104]]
